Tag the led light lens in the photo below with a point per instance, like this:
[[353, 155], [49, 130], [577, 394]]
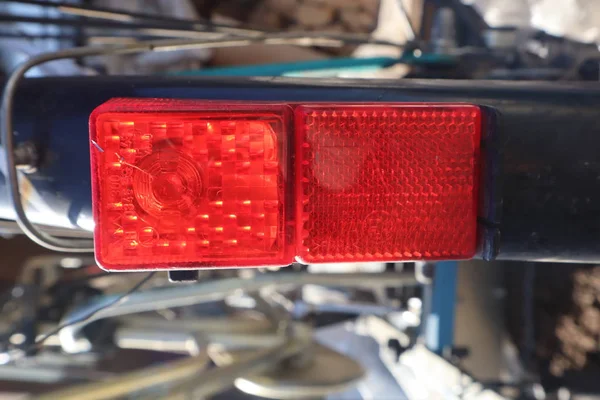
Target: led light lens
[[180, 184], [195, 184], [386, 182]]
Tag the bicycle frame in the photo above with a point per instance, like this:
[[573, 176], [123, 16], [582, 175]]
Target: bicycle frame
[[540, 189]]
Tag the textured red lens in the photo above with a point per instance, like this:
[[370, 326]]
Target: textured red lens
[[377, 183], [184, 184]]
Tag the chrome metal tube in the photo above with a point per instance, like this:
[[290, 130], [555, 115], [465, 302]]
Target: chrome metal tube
[[219, 379], [208, 291], [188, 335], [6, 110], [140, 380]]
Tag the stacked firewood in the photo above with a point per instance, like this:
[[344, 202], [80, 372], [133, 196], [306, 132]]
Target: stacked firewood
[[336, 16]]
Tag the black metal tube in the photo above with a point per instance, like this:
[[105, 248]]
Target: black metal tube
[[546, 137]]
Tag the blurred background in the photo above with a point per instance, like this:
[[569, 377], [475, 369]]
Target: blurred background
[[511, 329]]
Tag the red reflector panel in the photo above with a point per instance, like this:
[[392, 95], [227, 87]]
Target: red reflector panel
[[183, 184], [377, 183]]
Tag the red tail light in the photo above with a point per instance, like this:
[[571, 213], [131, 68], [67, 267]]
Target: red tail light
[[192, 184], [383, 183]]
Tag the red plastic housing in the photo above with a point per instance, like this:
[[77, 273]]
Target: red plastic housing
[[185, 184], [386, 182], [181, 184]]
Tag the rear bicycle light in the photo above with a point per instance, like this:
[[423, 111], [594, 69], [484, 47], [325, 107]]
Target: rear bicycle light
[[194, 184], [181, 184]]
